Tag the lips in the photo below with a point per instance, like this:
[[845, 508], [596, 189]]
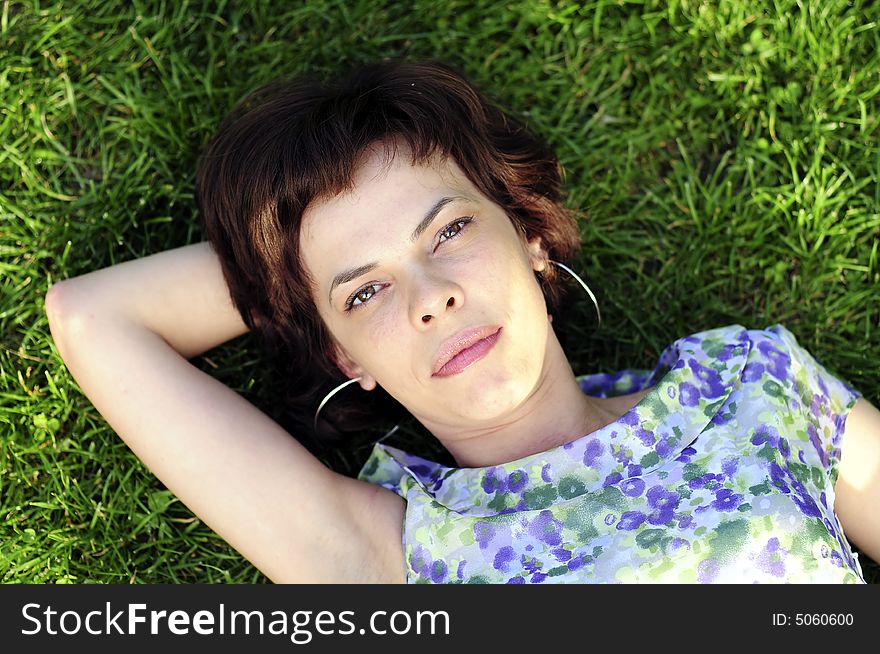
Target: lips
[[463, 349]]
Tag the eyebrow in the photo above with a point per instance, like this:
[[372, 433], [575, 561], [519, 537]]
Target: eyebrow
[[353, 273]]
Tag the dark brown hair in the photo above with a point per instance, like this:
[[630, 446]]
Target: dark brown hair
[[297, 141]]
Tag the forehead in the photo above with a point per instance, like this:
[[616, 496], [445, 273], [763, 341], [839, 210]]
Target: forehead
[[388, 194], [383, 182]]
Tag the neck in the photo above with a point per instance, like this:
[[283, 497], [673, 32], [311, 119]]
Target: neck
[[556, 412]]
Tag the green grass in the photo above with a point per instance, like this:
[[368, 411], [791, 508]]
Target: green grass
[[726, 162]]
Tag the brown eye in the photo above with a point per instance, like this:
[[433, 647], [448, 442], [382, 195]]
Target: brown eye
[[451, 231], [361, 297], [454, 229]]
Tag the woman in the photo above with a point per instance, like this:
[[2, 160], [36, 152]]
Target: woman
[[398, 231]]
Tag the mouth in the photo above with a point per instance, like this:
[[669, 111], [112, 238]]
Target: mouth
[[464, 350]]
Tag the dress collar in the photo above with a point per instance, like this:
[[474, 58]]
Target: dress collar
[[692, 379]]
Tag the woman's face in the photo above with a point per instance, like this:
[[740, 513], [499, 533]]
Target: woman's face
[[408, 260]]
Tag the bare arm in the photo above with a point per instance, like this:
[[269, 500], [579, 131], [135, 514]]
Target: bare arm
[[857, 491], [125, 333], [179, 294]]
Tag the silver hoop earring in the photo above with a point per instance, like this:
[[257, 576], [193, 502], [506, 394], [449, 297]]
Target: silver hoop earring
[[582, 283], [334, 392]]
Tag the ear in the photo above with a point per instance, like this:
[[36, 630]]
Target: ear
[[537, 254], [351, 369]]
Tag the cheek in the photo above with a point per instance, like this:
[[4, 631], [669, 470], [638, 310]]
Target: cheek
[[383, 331], [376, 342]]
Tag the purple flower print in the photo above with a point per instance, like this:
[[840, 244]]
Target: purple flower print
[[579, 561], [726, 353], [634, 470], [646, 437], [516, 580], [531, 565], [777, 476], [517, 481], [545, 473], [772, 558], [752, 372], [712, 386], [593, 451], [631, 520], [483, 533], [633, 487], [688, 394], [836, 558], [421, 470], [439, 569], [610, 519], [831, 528], [765, 434], [420, 560], [784, 448], [823, 387], [713, 480], [678, 543], [721, 418], [807, 505], [778, 363], [503, 558], [697, 482], [460, 571], [660, 498], [494, 481], [729, 465], [661, 517], [686, 454], [561, 554], [546, 528], [537, 578], [662, 448], [726, 500], [817, 444], [707, 571], [630, 418], [612, 479], [664, 503]]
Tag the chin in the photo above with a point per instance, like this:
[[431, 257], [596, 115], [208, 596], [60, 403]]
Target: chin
[[489, 397]]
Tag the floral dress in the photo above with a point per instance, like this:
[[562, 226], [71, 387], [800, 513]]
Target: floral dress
[[723, 473]]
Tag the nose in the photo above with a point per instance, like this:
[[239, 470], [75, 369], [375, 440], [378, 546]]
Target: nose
[[432, 297]]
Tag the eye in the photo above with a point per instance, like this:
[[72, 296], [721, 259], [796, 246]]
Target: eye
[[453, 229], [361, 296]]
